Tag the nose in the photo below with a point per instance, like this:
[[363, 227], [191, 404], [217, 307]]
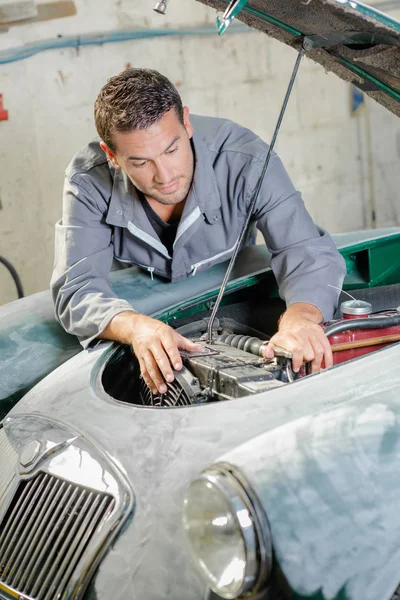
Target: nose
[[163, 174]]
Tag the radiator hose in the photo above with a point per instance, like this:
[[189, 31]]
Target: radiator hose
[[244, 342], [369, 323]]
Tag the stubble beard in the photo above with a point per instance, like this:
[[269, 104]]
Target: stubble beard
[[172, 199], [180, 195]]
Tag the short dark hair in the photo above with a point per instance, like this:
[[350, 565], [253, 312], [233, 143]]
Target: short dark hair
[[134, 99]]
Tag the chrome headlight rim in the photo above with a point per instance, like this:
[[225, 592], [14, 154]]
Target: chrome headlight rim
[[242, 499]]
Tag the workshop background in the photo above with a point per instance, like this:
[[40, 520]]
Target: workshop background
[[341, 149]]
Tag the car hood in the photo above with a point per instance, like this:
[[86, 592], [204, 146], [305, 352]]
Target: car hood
[[161, 451], [357, 42]]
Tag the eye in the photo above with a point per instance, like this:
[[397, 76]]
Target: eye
[[172, 151], [137, 165]]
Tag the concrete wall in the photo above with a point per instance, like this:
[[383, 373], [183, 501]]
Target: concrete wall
[[345, 165]]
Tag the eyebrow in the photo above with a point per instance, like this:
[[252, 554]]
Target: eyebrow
[[166, 150]]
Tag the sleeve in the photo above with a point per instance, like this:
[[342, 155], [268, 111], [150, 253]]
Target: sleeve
[[305, 261], [83, 299]]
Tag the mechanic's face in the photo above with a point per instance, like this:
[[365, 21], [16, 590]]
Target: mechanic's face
[[158, 160]]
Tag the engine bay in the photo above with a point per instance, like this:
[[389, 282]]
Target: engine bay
[[232, 365]]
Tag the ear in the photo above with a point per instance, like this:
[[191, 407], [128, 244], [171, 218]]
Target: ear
[[186, 122], [110, 154]]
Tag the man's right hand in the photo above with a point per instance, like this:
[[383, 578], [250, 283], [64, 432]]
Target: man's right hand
[[155, 345]]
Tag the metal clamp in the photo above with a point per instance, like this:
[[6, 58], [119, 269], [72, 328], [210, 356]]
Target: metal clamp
[[233, 9], [161, 7], [279, 351]]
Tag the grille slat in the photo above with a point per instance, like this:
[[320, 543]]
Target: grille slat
[[17, 520], [36, 577], [33, 528], [32, 547], [45, 533], [63, 545], [48, 536], [90, 525], [32, 514], [90, 506]]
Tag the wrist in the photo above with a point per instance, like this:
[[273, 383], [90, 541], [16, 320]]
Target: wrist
[[121, 327], [299, 311]]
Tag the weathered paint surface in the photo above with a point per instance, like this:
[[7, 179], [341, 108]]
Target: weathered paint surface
[[326, 467]]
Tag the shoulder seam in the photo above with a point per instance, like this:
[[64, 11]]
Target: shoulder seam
[[222, 150], [88, 166], [84, 187]]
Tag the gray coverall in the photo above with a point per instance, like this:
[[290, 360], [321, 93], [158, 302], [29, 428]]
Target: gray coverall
[[103, 219]]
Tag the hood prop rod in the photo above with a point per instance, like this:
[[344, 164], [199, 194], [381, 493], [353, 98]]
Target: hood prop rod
[[254, 199]]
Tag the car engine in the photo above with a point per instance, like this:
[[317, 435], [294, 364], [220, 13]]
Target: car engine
[[220, 372], [232, 365]]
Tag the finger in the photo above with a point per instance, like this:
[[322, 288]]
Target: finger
[[328, 354], [162, 361], [146, 377], [187, 344], [291, 343], [319, 352], [170, 345], [298, 358], [279, 341], [154, 373], [268, 351]]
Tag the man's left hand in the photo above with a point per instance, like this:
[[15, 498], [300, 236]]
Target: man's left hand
[[300, 332]]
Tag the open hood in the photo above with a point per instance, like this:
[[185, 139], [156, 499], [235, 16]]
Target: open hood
[[357, 42]]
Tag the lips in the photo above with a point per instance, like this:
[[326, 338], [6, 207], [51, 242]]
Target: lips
[[169, 189]]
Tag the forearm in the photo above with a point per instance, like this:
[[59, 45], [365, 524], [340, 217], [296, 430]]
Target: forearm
[[121, 328], [87, 310]]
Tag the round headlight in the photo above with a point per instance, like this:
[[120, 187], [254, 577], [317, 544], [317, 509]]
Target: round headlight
[[229, 537]]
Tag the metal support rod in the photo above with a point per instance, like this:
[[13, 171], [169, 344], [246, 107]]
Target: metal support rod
[[254, 198]]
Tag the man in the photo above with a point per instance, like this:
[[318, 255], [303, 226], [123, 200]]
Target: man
[[170, 192]]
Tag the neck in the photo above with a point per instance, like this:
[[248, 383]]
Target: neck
[[167, 212]]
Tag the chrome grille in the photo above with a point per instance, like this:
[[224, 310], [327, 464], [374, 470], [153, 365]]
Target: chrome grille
[[8, 459], [45, 533]]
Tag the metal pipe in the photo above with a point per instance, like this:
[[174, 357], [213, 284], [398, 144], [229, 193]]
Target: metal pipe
[[384, 339], [367, 323]]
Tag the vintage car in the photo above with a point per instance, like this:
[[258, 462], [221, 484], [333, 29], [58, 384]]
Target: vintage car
[[244, 480]]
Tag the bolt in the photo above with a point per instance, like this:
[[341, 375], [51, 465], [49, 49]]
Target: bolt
[[307, 45]]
